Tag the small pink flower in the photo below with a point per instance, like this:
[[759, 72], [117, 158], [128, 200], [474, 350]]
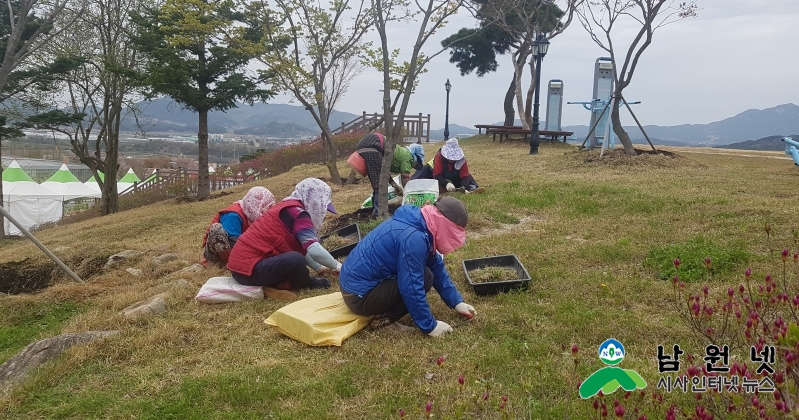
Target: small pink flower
[[402, 413], [677, 263], [748, 273], [619, 411], [741, 289], [428, 407], [440, 361], [785, 254], [485, 396], [575, 349], [461, 379], [708, 262], [504, 398], [730, 292], [596, 404]]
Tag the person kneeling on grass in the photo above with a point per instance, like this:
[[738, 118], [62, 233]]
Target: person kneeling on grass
[[231, 222], [275, 250], [449, 168], [390, 271]]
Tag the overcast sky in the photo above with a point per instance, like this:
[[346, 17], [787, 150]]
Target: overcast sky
[[736, 55]]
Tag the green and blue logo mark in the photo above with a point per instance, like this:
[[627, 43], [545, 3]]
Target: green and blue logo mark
[[610, 378]]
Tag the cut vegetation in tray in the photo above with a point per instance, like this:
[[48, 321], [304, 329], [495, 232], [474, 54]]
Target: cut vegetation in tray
[[492, 274], [336, 242]]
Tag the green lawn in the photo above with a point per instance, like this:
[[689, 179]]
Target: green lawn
[[596, 236]]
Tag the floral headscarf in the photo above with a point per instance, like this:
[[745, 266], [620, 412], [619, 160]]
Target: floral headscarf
[[315, 197], [257, 201]]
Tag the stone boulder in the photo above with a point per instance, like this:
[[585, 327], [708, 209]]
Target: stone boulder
[[153, 306], [117, 259], [165, 258], [16, 369]]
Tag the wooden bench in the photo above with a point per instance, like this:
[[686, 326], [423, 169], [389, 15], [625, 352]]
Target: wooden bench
[[480, 127], [505, 132], [553, 135]]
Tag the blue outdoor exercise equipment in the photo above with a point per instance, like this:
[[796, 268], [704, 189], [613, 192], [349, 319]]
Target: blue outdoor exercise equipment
[[600, 107], [790, 149]]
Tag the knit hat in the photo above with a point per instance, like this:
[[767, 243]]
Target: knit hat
[[451, 150], [453, 209]]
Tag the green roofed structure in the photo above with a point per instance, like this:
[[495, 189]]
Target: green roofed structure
[[69, 186], [30, 203]]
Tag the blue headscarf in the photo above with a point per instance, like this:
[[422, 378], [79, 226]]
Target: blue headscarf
[[417, 151]]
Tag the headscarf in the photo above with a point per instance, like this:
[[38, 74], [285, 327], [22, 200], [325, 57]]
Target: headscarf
[[447, 235], [417, 151], [257, 201], [315, 197]]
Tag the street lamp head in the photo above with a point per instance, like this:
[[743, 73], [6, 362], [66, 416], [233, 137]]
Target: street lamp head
[[447, 85], [541, 45]]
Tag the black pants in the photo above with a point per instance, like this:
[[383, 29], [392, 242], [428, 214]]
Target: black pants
[[425, 173], [385, 299], [271, 271]]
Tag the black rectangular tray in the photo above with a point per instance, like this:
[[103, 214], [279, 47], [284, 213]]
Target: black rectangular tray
[[492, 288], [345, 231]]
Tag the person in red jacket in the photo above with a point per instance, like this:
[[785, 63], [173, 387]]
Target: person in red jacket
[[452, 172], [230, 222], [276, 249]]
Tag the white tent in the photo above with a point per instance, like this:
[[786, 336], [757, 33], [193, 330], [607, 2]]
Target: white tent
[[92, 183], [69, 186], [211, 169], [127, 181], [29, 203]]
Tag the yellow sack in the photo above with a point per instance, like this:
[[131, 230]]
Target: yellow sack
[[318, 321]]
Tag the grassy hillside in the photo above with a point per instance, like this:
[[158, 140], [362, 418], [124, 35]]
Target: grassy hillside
[[596, 235]]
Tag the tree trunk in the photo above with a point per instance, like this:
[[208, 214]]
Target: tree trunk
[[510, 95], [2, 198], [330, 153], [203, 187], [528, 105], [624, 138], [517, 72]]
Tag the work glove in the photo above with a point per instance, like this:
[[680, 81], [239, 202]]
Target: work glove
[[465, 309], [338, 268], [440, 329], [450, 187]]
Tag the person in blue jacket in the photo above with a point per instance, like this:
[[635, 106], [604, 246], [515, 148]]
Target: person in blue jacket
[[390, 271]]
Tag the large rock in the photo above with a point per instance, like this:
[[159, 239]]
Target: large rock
[[116, 259], [154, 306], [194, 268], [165, 258], [135, 272], [16, 369]]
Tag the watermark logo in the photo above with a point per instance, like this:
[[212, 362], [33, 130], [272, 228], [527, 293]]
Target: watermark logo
[[610, 378]]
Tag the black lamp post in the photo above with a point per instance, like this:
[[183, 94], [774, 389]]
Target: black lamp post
[[448, 87], [540, 47]]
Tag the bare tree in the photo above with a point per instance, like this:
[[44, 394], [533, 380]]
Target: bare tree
[[320, 58], [600, 17], [402, 78], [523, 21], [101, 88]]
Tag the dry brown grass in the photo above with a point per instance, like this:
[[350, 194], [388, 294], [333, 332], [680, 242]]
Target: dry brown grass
[[581, 228]]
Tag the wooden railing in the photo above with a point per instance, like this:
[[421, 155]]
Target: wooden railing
[[180, 182], [414, 127]]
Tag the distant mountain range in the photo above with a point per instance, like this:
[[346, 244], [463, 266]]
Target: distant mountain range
[[766, 143], [291, 121], [274, 120]]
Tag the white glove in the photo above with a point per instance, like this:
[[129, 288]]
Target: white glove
[[450, 187], [465, 309], [338, 268], [440, 329]]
